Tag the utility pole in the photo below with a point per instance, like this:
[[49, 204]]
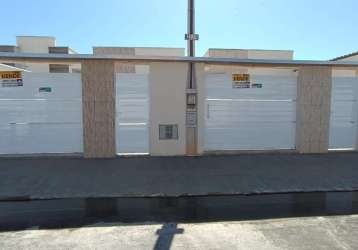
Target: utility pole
[[191, 93], [191, 36]]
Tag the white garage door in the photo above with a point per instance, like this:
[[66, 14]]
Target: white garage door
[[42, 116], [132, 113], [343, 125], [261, 118]]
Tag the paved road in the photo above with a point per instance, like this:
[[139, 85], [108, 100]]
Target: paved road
[[302, 233], [177, 176]]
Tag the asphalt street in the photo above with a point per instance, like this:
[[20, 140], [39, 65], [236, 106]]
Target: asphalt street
[[48, 178]]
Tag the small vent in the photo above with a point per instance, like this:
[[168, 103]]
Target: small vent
[[168, 132]]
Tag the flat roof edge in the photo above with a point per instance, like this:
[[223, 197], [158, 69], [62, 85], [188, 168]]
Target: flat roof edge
[[78, 58], [125, 47], [52, 37]]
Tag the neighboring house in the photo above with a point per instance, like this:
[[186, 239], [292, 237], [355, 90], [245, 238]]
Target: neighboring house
[[250, 54], [348, 57], [6, 67], [41, 44], [245, 54], [136, 51]]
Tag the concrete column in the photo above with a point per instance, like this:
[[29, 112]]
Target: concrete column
[[98, 108], [313, 108]]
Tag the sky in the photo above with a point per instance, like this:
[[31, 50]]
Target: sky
[[314, 29]]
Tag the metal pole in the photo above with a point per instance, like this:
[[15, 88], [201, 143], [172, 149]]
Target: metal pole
[[191, 28], [191, 37], [191, 93]]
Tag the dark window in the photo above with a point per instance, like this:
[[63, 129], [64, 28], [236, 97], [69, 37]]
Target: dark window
[[59, 68], [168, 132]]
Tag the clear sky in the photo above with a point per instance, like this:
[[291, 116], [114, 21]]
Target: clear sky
[[314, 29]]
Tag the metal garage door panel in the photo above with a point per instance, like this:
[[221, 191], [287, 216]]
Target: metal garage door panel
[[32, 121], [343, 124], [132, 113], [64, 87], [41, 111], [219, 86], [250, 119], [41, 138]]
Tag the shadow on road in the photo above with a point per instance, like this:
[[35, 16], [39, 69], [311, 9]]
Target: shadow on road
[[166, 235]]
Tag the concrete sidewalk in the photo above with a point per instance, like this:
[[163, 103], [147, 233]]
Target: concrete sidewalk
[[296, 234], [177, 176]]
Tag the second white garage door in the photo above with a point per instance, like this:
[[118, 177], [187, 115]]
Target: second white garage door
[[132, 113], [344, 113], [258, 118]]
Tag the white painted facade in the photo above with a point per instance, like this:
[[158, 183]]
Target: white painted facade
[[267, 119], [229, 119]]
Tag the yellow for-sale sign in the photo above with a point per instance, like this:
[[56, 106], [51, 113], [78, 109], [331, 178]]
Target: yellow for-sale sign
[[10, 75]]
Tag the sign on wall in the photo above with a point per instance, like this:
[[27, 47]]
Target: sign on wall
[[241, 81], [11, 79]]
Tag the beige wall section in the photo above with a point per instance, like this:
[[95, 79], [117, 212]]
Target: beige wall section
[[246, 54], [113, 51], [139, 51], [251, 54], [271, 54], [313, 109], [35, 44], [159, 51], [120, 67], [228, 53], [167, 83], [98, 108]]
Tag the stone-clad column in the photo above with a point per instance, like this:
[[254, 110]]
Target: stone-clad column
[[313, 108], [98, 92]]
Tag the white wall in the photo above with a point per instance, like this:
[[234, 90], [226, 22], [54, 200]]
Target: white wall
[[167, 83]]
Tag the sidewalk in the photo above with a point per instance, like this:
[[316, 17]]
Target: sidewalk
[[318, 233], [176, 176]]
